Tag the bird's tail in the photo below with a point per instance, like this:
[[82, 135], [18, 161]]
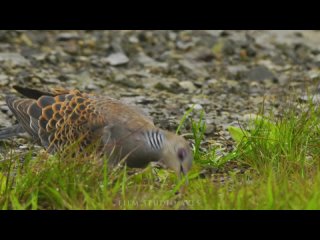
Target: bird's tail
[[10, 132]]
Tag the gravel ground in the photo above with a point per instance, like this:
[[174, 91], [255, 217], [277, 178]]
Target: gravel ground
[[228, 74]]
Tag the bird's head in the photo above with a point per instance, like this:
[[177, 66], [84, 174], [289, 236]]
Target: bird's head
[[176, 153]]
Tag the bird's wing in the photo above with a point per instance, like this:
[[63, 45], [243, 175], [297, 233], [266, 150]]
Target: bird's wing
[[35, 93], [19, 108], [59, 119]]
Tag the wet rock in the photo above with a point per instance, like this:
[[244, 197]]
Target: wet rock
[[133, 39], [228, 47], [193, 69], [202, 54], [302, 52], [187, 85], [205, 39], [4, 47], [184, 45], [134, 79], [168, 84], [67, 36], [139, 99], [250, 117], [5, 113], [278, 60], [39, 57], [116, 59], [131, 82], [91, 86], [250, 52], [260, 73], [144, 59], [71, 47], [50, 80], [237, 72], [210, 127], [223, 47], [140, 74], [314, 74], [214, 33], [3, 107], [15, 59], [4, 80], [315, 98], [24, 147], [212, 83], [201, 100], [147, 61], [196, 106], [283, 79]]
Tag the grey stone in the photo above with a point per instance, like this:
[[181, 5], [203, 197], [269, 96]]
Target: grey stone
[[260, 73], [128, 81], [67, 36], [196, 106], [193, 69], [168, 84], [214, 33], [313, 74], [249, 117], [210, 128], [133, 39], [92, 86], [4, 80], [147, 61], [187, 85], [184, 45], [315, 99], [116, 59], [15, 59], [236, 71]]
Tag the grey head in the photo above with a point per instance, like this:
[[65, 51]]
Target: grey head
[[152, 145]]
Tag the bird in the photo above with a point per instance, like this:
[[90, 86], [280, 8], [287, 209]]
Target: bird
[[59, 117]]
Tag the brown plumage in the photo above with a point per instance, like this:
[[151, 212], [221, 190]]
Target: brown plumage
[[61, 117]]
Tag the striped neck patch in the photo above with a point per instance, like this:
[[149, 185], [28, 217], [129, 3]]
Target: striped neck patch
[[155, 139]]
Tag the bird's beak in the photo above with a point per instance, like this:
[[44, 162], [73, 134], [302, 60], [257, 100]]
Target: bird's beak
[[183, 173]]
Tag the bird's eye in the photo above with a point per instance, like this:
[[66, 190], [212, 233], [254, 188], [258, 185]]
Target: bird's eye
[[182, 153]]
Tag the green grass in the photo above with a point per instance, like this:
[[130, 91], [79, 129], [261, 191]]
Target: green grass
[[279, 157]]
